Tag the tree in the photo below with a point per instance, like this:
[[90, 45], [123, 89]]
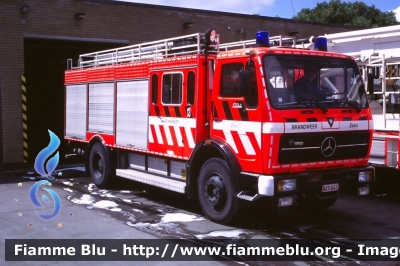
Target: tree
[[347, 13]]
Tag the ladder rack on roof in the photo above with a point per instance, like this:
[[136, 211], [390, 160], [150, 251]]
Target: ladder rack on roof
[[182, 45], [274, 41]]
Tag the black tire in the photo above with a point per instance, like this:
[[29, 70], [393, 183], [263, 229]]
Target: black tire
[[313, 203], [216, 191], [99, 166]]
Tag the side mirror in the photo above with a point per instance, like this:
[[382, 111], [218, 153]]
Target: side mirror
[[244, 82]]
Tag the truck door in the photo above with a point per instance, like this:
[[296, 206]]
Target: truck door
[[236, 114]]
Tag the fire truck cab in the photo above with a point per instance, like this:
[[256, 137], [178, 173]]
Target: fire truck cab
[[223, 122]]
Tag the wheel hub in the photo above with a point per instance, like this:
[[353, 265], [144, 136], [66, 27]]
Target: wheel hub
[[98, 165], [214, 191]]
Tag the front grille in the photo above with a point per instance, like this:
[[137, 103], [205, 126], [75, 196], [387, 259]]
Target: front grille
[[308, 147]]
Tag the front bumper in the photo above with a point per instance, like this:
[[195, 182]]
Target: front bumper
[[325, 184]]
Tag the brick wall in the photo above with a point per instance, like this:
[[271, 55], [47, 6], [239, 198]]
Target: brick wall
[[108, 20]]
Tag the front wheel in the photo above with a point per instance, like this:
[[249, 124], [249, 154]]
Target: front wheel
[[216, 191], [99, 166]]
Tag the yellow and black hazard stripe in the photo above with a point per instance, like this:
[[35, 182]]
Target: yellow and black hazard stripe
[[24, 118]]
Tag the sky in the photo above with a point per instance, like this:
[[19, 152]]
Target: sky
[[270, 8]]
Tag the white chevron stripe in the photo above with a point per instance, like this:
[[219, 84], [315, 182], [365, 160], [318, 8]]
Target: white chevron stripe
[[177, 123], [246, 143], [189, 137], [230, 141], [178, 136], [158, 134], [168, 135], [241, 127], [151, 139]]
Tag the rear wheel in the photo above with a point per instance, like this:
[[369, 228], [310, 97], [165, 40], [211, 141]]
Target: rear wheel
[[99, 166], [216, 191]]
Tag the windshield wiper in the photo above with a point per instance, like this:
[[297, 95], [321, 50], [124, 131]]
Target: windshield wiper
[[344, 100], [306, 104]]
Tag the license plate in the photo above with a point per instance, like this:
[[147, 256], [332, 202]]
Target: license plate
[[330, 187]]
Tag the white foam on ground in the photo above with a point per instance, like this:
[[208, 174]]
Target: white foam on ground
[[227, 234], [85, 199], [180, 217], [91, 187], [108, 195], [105, 204], [68, 189]]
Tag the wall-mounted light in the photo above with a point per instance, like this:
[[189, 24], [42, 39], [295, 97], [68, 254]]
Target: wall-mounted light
[[187, 25], [24, 9], [80, 15], [240, 30]]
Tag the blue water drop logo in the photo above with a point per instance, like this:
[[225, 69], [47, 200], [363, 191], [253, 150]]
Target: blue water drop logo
[[45, 153], [50, 166]]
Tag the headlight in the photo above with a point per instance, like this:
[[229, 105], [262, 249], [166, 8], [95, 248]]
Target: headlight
[[286, 185], [365, 176]]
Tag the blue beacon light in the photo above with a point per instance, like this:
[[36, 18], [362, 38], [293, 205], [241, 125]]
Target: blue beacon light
[[262, 39], [321, 44]]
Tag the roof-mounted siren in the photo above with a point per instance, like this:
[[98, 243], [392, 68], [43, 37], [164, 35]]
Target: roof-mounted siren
[[262, 39], [321, 44]]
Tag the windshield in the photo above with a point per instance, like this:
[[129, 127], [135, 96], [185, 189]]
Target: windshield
[[321, 82]]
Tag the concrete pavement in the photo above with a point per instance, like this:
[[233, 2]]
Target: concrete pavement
[[19, 221]]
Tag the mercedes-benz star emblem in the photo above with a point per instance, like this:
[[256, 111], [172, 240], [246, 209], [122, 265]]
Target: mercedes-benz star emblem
[[328, 146]]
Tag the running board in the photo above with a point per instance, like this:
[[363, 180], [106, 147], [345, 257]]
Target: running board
[[243, 196], [153, 180]]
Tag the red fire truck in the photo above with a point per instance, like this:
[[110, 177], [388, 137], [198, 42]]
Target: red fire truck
[[223, 123]]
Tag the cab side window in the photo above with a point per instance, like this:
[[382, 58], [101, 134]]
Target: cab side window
[[230, 80], [252, 93], [172, 88], [191, 81], [154, 89]]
